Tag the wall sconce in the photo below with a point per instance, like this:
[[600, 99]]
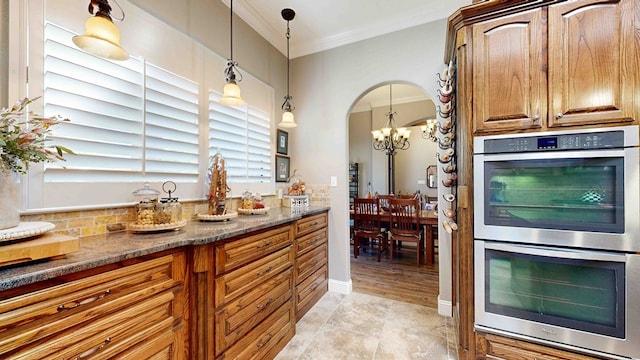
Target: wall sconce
[[429, 130], [231, 93], [101, 37], [288, 120]]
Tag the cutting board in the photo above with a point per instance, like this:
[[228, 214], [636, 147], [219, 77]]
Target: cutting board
[[47, 245]]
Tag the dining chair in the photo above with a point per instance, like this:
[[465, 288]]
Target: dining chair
[[367, 225], [404, 225]]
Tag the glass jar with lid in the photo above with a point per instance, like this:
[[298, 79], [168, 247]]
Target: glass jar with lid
[[170, 205], [146, 214]]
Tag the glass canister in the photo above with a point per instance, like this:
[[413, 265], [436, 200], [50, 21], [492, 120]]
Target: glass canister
[[147, 211], [171, 207]]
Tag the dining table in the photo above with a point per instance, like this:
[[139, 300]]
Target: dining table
[[427, 219]]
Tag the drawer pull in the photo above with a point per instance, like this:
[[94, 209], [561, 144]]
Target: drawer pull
[[264, 306], [267, 244], [314, 287], [265, 341], [89, 300], [90, 352], [260, 273]]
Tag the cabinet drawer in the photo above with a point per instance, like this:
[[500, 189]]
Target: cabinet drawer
[[40, 314], [310, 291], [308, 263], [108, 336], [239, 281], [274, 332], [241, 315], [309, 241], [310, 223], [236, 253]]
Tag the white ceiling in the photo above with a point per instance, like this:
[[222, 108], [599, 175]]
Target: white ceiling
[[325, 24]]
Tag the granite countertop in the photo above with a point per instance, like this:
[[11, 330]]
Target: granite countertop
[[110, 248]]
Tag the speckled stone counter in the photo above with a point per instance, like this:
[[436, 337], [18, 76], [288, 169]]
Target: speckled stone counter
[[106, 249]]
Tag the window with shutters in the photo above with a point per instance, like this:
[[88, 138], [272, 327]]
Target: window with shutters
[[242, 136], [150, 118]]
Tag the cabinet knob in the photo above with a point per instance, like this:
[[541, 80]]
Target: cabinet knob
[[559, 116], [535, 117]]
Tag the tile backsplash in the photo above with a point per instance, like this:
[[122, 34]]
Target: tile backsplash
[[80, 223]]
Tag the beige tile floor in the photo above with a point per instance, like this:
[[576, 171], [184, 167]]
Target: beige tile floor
[[359, 326]]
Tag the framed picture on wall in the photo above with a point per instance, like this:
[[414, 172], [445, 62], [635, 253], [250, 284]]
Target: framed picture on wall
[[282, 168], [283, 142]]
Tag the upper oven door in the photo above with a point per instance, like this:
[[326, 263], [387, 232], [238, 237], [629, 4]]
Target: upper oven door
[[586, 198]]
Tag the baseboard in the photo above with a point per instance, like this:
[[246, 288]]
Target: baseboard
[[445, 308], [341, 287]]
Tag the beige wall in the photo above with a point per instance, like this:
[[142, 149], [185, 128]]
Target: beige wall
[[326, 86]]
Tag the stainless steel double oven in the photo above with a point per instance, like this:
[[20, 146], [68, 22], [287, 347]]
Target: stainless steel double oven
[[557, 238]]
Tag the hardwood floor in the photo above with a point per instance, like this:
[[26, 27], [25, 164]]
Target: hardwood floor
[[400, 280]]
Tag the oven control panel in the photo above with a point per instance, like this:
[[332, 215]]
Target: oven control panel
[[579, 141]]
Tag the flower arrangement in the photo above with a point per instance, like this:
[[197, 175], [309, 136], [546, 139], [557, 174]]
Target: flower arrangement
[[23, 137]]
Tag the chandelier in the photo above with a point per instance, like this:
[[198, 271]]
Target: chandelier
[[389, 138], [429, 130]]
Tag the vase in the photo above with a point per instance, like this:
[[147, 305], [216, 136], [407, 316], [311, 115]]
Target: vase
[[9, 199]]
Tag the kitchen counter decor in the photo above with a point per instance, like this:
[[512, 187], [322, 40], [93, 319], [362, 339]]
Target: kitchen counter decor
[[23, 136], [157, 215], [25, 230]]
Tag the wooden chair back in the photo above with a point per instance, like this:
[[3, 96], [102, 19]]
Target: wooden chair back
[[405, 220], [366, 215], [405, 225]]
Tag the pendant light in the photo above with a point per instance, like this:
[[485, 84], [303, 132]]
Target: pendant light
[[231, 93], [101, 37], [288, 120]]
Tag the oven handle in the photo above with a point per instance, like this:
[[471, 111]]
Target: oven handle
[[610, 153], [555, 253]]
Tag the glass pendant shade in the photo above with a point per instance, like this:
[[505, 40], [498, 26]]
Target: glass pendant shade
[[288, 120], [101, 38], [231, 96]]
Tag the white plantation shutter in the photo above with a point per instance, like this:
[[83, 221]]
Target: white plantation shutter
[[171, 131], [104, 101], [129, 121], [242, 136]]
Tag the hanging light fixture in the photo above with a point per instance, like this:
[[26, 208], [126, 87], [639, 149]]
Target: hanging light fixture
[[101, 37], [287, 116], [429, 130], [231, 94], [389, 138]]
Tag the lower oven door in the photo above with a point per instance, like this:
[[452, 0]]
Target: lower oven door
[[576, 299]]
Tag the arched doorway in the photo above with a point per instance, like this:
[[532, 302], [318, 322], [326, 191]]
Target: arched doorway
[[412, 108]]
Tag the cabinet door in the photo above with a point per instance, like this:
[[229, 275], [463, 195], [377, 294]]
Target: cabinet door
[[591, 62], [509, 82]]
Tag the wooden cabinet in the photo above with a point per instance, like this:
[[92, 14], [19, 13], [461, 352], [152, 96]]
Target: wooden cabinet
[[502, 348], [509, 83], [555, 66], [253, 295], [311, 269], [134, 309], [592, 63]]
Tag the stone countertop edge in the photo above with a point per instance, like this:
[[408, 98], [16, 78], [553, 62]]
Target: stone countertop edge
[[110, 248]]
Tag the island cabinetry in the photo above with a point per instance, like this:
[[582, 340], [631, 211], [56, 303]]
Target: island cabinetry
[[253, 295], [311, 268], [134, 309], [556, 66]]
